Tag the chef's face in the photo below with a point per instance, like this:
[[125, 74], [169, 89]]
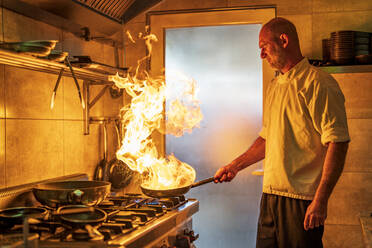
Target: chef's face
[[271, 50]]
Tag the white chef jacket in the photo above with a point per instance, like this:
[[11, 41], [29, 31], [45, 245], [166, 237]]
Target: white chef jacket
[[304, 110]]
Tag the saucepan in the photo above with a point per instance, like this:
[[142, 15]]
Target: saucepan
[[163, 193], [55, 194]]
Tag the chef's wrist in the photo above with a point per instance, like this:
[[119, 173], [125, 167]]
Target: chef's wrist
[[235, 167]]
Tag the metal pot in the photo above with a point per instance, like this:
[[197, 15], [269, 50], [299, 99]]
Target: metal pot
[[55, 194], [161, 193]]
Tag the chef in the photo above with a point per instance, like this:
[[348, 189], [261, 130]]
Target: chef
[[304, 141]]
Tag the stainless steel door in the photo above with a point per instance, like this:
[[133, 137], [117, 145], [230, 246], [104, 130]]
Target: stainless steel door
[[225, 62]]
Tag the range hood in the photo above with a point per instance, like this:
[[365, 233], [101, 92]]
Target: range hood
[[87, 18]]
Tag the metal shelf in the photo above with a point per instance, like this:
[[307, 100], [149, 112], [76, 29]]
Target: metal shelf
[[347, 69], [43, 65], [89, 78]]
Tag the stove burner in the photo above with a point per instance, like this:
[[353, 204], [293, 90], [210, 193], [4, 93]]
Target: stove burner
[[124, 214], [89, 233]]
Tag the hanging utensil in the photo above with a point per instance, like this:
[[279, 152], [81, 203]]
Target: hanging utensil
[[101, 170], [56, 87], [76, 82], [119, 173]]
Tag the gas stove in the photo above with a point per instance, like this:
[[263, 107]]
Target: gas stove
[[128, 221]]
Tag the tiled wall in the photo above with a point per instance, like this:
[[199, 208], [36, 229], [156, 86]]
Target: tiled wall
[[36, 142], [315, 20], [352, 193]]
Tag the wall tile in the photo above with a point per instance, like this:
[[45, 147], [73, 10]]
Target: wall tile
[[165, 5], [1, 24], [191, 4], [34, 150], [357, 88], [333, 6], [359, 158], [351, 196], [2, 91], [82, 152], [109, 56], [343, 236], [21, 28], [2, 153], [284, 7], [325, 23], [303, 25], [76, 46], [28, 94], [357, 5], [71, 101], [112, 105]]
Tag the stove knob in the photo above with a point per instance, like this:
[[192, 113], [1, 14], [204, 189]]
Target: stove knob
[[191, 235], [183, 241], [166, 246]]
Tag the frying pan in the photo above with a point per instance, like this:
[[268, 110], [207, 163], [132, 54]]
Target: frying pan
[[15, 216], [94, 217], [87, 220], [161, 193], [56, 194]]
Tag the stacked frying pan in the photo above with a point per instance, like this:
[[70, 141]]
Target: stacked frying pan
[[345, 46]]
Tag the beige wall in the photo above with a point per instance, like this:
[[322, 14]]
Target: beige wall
[[353, 191], [38, 143], [315, 20]]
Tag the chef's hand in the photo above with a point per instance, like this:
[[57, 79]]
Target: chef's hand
[[316, 215], [225, 174]]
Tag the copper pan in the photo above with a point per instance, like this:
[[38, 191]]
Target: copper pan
[[164, 193]]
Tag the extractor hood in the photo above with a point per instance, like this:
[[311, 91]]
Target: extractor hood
[[87, 17]]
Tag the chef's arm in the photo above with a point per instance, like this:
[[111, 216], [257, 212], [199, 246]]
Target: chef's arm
[[255, 153], [332, 169]]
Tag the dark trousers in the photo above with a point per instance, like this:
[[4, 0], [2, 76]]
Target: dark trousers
[[281, 224]]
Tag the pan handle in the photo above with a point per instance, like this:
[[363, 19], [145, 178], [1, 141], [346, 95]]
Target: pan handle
[[208, 180]]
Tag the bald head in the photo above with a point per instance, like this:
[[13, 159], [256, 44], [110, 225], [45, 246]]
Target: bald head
[[278, 26], [279, 44]]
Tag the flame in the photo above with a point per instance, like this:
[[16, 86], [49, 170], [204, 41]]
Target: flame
[[145, 114]]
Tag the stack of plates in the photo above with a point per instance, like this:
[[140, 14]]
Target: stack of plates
[[342, 47], [348, 47], [362, 43]]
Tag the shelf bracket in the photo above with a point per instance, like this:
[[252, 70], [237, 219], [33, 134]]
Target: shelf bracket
[[89, 104]]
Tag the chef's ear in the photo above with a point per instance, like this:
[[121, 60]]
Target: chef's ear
[[283, 40]]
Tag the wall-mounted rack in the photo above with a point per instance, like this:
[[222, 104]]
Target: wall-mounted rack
[[90, 78]]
